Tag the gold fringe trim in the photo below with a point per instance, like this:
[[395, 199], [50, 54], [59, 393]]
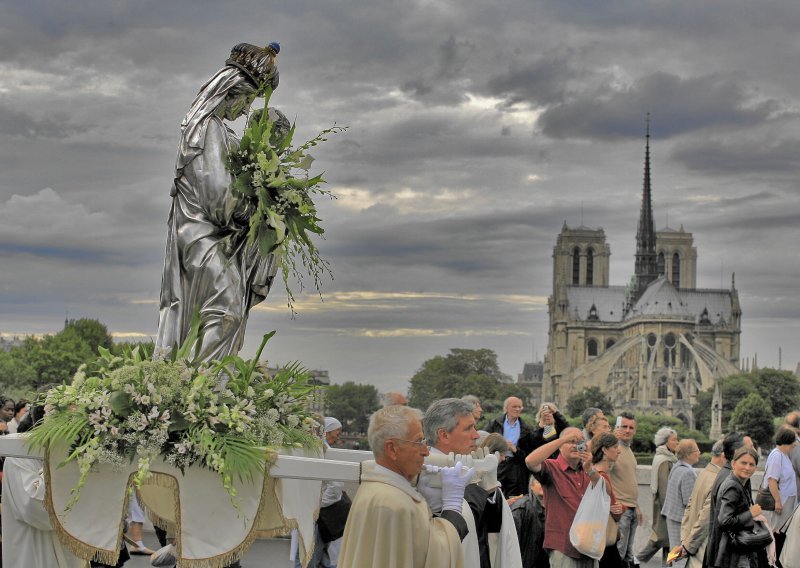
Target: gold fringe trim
[[77, 547], [269, 495], [166, 481]]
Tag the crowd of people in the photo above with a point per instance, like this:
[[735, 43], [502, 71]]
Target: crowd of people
[[545, 470], [407, 513]]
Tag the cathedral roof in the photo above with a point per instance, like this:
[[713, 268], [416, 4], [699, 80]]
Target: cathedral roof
[[718, 303], [660, 298], [608, 301]]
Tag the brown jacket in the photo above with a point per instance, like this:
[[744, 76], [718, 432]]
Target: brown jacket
[[694, 526]]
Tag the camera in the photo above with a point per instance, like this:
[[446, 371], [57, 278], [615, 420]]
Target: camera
[[581, 446]]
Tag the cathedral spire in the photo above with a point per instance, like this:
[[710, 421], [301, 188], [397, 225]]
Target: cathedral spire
[[646, 261]]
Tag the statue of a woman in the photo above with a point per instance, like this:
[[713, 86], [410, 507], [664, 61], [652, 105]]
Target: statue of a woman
[[209, 268]]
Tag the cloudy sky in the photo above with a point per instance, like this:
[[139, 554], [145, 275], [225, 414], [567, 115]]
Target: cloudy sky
[[476, 129]]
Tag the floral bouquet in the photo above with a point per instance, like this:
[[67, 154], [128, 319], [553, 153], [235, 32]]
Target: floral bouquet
[[218, 414], [272, 178]]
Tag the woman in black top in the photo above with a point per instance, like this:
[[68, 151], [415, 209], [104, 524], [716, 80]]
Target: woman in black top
[[735, 512]]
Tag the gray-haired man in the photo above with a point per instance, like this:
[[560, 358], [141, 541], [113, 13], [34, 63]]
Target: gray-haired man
[[449, 426]]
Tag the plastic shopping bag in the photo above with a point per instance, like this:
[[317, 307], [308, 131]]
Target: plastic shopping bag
[[588, 531]]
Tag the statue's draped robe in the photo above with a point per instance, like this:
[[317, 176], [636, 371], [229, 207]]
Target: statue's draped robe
[[208, 265], [391, 526]]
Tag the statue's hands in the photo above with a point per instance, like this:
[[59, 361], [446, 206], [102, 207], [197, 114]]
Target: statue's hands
[[489, 477]]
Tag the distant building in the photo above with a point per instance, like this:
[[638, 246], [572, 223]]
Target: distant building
[[9, 343], [531, 378], [318, 378], [650, 345]]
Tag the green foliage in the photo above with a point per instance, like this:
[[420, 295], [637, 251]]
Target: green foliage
[[461, 372], [588, 398], [733, 389], [780, 389], [352, 404], [17, 377], [221, 414], [753, 415], [648, 424], [274, 190], [94, 333], [53, 358], [56, 358]]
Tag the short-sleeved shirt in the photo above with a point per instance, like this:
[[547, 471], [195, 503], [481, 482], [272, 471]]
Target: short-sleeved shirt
[[779, 467], [563, 490]]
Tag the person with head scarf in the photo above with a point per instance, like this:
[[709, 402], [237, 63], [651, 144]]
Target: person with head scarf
[[334, 507], [209, 267], [666, 441]]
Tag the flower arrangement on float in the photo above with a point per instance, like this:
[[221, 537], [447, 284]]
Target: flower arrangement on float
[[273, 178], [220, 414]]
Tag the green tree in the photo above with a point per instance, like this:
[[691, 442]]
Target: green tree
[[733, 389], [463, 371], [17, 377], [94, 333], [55, 358], [589, 397], [352, 404], [648, 424], [754, 416], [781, 389]]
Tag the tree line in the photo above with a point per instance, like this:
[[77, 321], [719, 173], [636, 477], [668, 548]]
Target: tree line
[[751, 401]]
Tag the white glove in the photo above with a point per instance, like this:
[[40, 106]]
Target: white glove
[[489, 477], [454, 480], [430, 487]]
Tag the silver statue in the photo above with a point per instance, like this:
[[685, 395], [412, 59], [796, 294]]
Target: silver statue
[[209, 267]]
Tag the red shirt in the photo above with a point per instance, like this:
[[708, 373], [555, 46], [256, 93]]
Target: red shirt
[[563, 490]]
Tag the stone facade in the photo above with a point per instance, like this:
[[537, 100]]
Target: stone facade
[[650, 345]]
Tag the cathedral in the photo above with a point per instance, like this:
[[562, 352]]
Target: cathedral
[[652, 345]]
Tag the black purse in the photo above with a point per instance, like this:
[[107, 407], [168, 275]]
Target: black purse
[[755, 538], [765, 499], [332, 519]]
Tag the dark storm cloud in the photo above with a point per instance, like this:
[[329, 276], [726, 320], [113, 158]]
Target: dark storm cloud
[[51, 125], [540, 81], [739, 155], [678, 106], [456, 187]]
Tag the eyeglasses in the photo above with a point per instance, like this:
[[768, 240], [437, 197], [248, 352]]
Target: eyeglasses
[[418, 443]]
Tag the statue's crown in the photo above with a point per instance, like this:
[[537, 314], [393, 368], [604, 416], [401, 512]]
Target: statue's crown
[[258, 63]]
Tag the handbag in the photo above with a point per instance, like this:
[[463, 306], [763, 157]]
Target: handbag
[[588, 531], [765, 499], [755, 538], [763, 496], [612, 531], [332, 519]]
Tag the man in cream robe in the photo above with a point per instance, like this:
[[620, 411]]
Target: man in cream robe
[[390, 524], [28, 536], [492, 542]]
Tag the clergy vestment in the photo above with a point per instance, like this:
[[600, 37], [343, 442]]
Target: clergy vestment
[[391, 526], [28, 536]]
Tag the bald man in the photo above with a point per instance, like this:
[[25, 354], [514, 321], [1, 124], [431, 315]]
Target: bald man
[[512, 473]]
